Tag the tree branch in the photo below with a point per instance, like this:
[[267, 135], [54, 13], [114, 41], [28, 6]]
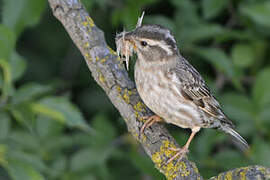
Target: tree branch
[[109, 72], [245, 173]]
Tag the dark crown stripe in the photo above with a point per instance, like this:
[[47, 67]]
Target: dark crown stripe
[[156, 32]]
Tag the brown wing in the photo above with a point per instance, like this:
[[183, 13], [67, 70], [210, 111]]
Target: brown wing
[[193, 88]]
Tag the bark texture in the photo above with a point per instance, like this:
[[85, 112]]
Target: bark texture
[[109, 72]]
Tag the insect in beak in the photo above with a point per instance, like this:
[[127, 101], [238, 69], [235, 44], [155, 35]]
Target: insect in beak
[[125, 46]]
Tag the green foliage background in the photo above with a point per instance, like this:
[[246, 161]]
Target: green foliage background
[[56, 123]]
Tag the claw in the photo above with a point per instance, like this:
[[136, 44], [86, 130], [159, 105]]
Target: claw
[[150, 121], [181, 153]]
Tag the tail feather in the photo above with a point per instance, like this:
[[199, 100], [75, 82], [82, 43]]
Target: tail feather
[[241, 142]]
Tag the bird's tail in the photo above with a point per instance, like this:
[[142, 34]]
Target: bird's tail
[[239, 140]]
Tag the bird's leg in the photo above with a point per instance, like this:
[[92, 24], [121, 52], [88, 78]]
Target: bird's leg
[[150, 121], [183, 151]]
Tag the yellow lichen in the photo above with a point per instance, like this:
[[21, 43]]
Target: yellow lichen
[[88, 57], [136, 114], [228, 175], [97, 58], [139, 106], [220, 176], [195, 167], [118, 88], [264, 171], [101, 78], [157, 159], [103, 60], [243, 173], [86, 45], [84, 23], [166, 152], [90, 21], [126, 96], [112, 51]]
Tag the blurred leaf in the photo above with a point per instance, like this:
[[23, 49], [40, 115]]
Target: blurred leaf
[[46, 127], [101, 146], [89, 177], [7, 41], [144, 164], [58, 167], [86, 158], [1, 81], [7, 88], [22, 171], [243, 55], [221, 62], [261, 89], [186, 13], [61, 109], [209, 138], [97, 100], [104, 131], [54, 148], [264, 117], [129, 12], [230, 159], [19, 14], [3, 152], [262, 120], [260, 48], [23, 140], [18, 65], [82, 139], [234, 34], [259, 12], [88, 4], [24, 115], [161, 20], [260, 152], [218, 59], [191, 34], [28, 92], [32, 160], [211, 8], [5, 124], [240, 109]]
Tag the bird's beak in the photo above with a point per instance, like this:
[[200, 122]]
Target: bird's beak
[[125, 45]]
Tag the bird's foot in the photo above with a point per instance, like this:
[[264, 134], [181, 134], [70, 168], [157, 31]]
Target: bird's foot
[[181, 152], [150, 121]]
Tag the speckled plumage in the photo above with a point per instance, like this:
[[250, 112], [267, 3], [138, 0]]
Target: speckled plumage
[[169, 85]]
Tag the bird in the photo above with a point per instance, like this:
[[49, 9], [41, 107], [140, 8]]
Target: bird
[[170, 86]]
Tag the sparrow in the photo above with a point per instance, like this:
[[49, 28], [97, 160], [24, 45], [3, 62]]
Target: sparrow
[[170, 86]]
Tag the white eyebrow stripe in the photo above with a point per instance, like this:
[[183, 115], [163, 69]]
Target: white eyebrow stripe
[[161, 44]]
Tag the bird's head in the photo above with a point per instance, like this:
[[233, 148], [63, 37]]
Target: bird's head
[[150, 42]]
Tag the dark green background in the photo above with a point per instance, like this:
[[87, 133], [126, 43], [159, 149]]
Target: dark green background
[[56, 123]]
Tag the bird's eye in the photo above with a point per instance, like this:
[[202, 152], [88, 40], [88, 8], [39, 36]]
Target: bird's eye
[[143, 43]]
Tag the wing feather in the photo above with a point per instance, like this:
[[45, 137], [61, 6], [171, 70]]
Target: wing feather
[[193, 88]]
